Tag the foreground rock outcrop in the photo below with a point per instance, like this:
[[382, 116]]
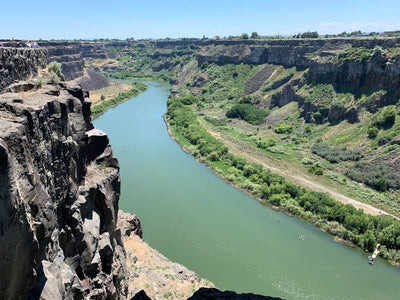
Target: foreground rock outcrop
[[59, 191]]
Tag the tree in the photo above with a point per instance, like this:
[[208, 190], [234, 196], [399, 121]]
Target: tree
[[309, 34], [254, 35], [244, 36]]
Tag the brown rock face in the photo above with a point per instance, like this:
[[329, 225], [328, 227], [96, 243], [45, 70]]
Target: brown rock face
[[59, 191]]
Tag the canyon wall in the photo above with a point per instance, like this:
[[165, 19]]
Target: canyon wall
[[59, 191], [20, 63], [69, 54], [321, 57]]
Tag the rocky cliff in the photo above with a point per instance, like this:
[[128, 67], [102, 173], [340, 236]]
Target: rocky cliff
[[69, 54], [59, 191], [20, 64]]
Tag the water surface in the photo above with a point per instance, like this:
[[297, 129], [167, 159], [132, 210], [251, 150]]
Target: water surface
[[195, 218]]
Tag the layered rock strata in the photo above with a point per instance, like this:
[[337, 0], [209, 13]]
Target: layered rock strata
[[59, 191], [20, 64], [69, 54]]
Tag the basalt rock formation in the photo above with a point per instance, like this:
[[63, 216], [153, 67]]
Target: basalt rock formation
[[59, 191], [69, 54], [20, 64]]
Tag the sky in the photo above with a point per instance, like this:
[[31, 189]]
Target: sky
[[121, 19]]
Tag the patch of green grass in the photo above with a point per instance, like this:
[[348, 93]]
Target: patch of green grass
[[360, 54]]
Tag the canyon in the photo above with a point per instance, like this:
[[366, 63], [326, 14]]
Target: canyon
[[60, 182]]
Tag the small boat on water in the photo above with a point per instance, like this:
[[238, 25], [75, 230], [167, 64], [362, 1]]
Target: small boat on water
[[301, 237], [371, 259]]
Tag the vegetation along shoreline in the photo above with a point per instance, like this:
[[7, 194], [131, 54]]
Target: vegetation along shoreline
[[347, 224]]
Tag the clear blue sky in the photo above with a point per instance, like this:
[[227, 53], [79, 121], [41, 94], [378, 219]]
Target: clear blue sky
[[52, 19]]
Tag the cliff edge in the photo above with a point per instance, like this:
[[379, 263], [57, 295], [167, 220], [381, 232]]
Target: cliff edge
[[59, 191]]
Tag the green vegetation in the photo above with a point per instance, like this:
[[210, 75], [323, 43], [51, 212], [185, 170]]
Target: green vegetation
[[283, 128], [54, 69], [385, 118], [248, 113], [378, 175], [360, 54], [320, 209], [265, 144], [122, 96], [335, 155], [308, 35], [321, 95], [254, 35], [167, 295]]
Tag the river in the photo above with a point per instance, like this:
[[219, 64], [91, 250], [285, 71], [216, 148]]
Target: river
[[195, 218]]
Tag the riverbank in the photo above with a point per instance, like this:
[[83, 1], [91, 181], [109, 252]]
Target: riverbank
[[329, 215], [102, 107], [216, 230]]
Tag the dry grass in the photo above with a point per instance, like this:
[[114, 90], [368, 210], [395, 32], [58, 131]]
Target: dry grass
[[108, 92], [156, 275]]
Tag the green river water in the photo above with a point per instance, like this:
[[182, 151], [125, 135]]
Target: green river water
[[195, 218]]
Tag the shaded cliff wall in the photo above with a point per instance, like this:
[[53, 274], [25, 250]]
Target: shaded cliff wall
[[69, 54], [20, 64], [59, 191]]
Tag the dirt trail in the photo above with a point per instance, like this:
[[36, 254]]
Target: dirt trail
[[282, 168]]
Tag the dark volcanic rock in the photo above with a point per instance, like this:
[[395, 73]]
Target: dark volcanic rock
[[58, 201], [23, 86], [129, 224], [94, 81], [141, 295], [20, 64], [258, 80], [215, 294], [69, 54]]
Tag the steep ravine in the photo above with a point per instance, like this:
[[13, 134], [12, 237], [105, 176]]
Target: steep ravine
[[59, 192]]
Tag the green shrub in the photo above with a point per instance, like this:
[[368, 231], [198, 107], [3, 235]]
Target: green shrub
[[265, 144], [54, 67], [360, 54], [378, 175], [248, 113], [315, 170], [384, 118], [282, 128], [335, 155], [373, 131]]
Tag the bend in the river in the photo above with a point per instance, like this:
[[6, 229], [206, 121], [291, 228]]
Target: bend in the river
[[195, 218]]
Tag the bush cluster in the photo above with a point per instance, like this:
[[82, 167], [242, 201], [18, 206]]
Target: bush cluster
[[360, 54], [282, 128], [265, 144], [334, 154], [377, 175], [54, 69], [248, 113], [383, 119]]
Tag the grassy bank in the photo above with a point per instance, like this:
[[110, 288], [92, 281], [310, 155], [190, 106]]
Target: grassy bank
[[343, 221], [99, 109]]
